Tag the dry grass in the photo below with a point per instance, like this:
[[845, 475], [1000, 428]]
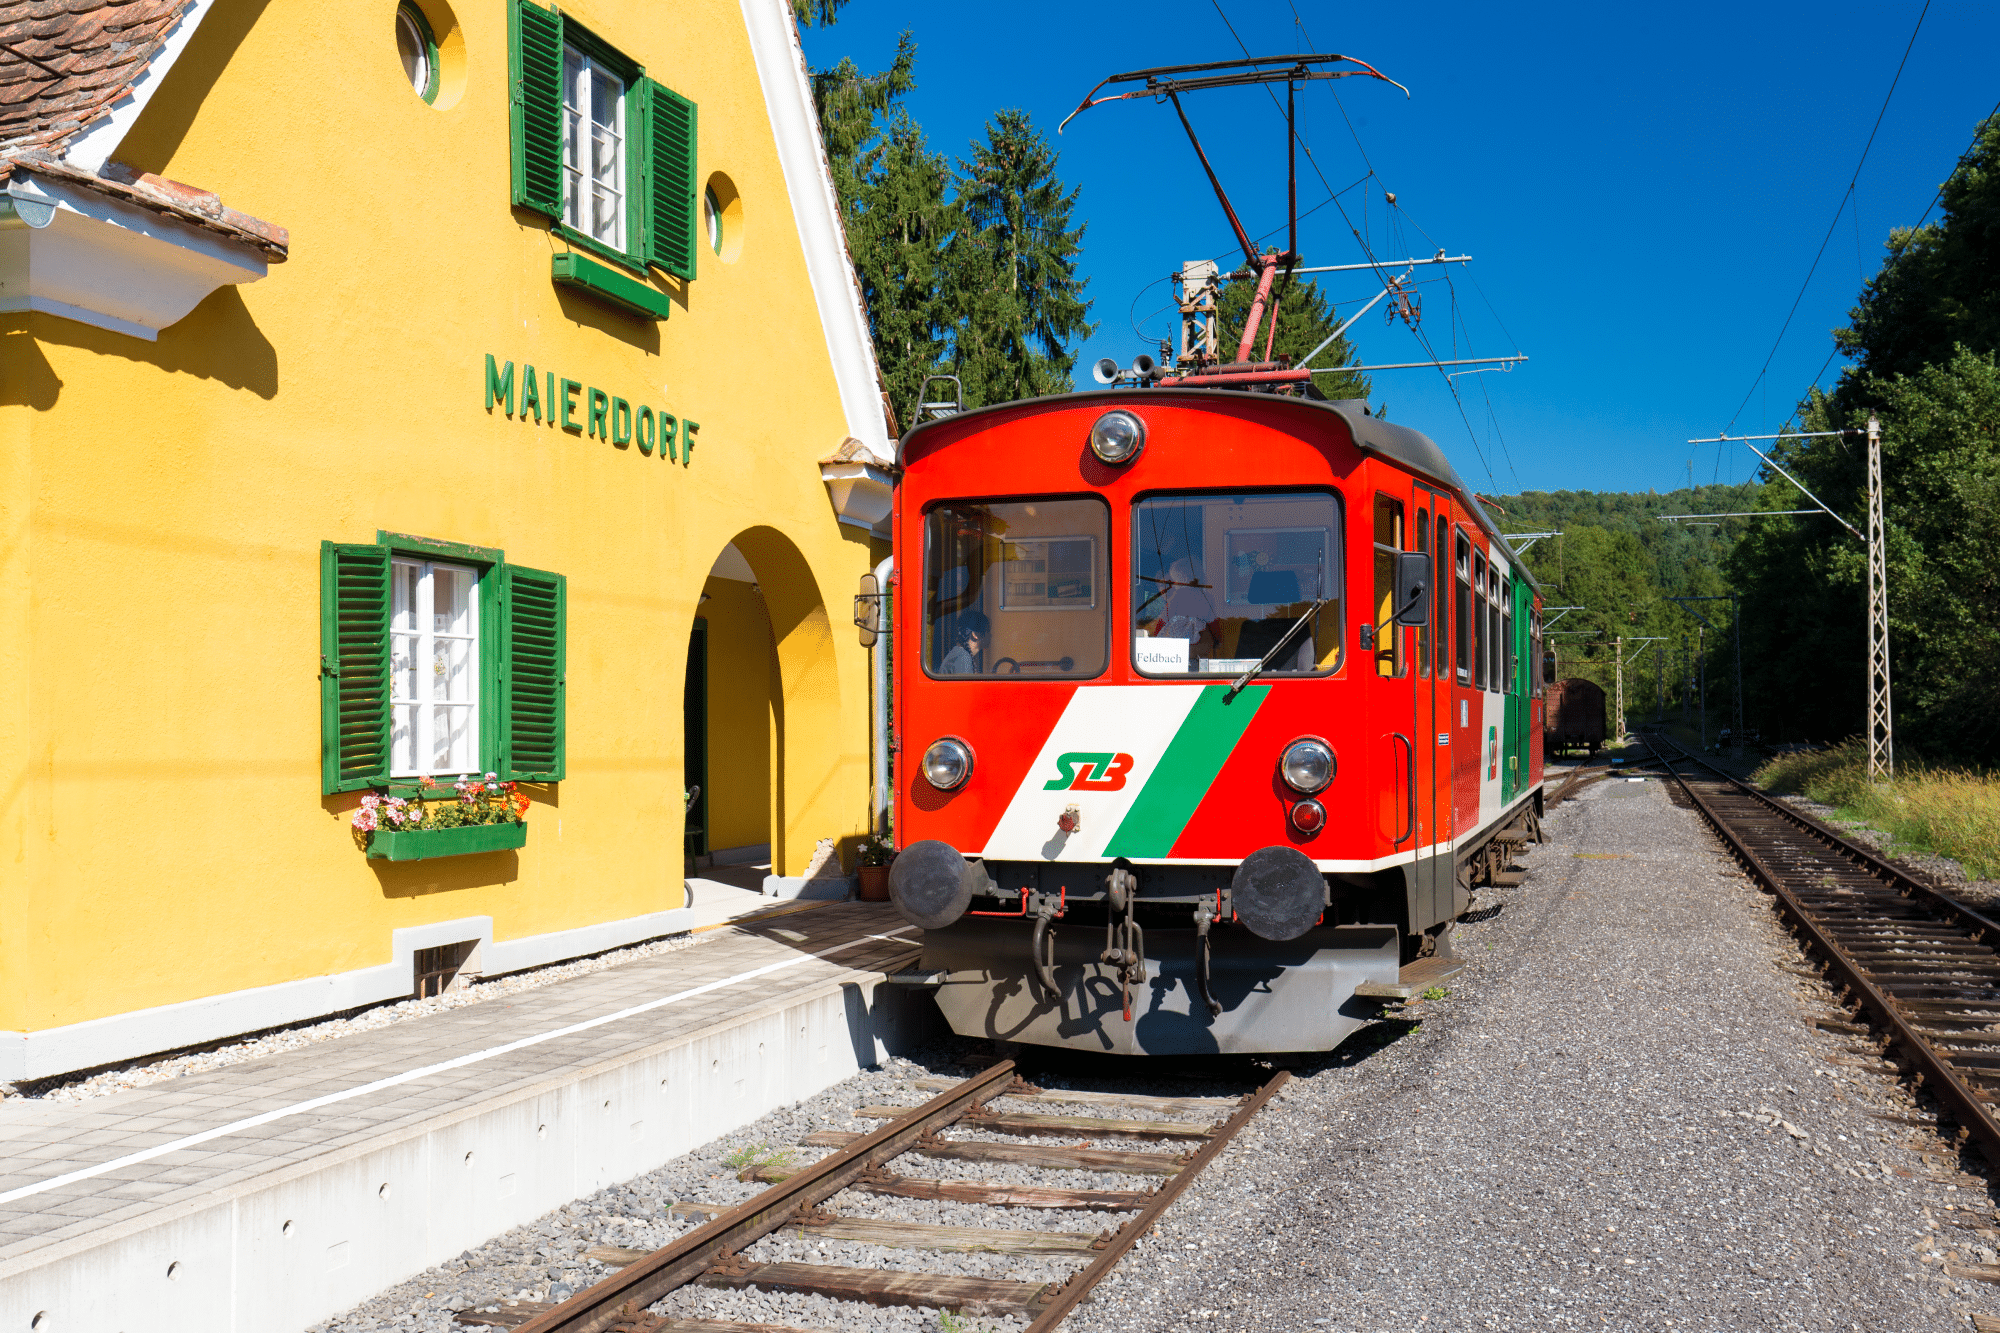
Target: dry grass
[[1949, 812]]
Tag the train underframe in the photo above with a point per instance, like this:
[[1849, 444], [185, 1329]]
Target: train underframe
[[1155, 960]]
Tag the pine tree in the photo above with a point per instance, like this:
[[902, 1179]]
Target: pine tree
[[1303, 319], [895, 208], [1012, 268], [817, 13]]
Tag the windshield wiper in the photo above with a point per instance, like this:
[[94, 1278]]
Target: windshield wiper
[[1277, 648]]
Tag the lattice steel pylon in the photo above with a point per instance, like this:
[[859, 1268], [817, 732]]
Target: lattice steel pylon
[[1618, 656], [1881, 735]]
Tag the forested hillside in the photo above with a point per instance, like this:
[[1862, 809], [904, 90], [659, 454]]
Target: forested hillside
[[1619, 560], [1923, 339]]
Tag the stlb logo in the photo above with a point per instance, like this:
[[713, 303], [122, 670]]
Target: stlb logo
[[1085, 771]]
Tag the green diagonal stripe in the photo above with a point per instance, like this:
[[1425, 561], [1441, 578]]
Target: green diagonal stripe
[[1193, 758]]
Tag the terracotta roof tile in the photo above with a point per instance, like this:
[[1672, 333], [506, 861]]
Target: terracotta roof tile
[[189, 203], [76, 57], [63, 63]]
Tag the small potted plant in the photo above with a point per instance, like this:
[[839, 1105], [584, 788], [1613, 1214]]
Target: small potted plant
[[480, 815], [877, 851]]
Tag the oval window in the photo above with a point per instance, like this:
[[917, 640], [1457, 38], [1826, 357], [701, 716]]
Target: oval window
[[417, 50]]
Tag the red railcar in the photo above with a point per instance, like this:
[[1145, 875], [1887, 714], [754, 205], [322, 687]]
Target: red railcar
[[1574, 716], [1188, 747]]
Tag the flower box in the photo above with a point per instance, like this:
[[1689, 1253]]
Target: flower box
[[425, 843]]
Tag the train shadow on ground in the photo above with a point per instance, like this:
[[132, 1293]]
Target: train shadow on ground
[[1167, 1073]]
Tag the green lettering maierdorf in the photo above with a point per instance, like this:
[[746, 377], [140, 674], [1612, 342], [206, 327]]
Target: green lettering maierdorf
[[500, 384], [570, 389], [531, 394], [646, 429], [688, 429]]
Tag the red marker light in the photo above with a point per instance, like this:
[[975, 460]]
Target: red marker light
[[1308, 816]]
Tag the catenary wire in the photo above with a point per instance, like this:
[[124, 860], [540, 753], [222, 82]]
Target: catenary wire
[[1422, 338], [1963, 158], [1846, 195], [1397, 215]]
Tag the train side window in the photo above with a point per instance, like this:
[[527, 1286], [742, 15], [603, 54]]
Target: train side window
[[1440, 598], [1017, 588], [1418, 536], [1390, 638], [1482, 633], [1222, 582], [1507, 636], [1462, 616], [1494, 640]]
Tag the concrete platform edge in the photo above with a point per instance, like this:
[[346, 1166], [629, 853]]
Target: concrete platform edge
[[302, 1242]]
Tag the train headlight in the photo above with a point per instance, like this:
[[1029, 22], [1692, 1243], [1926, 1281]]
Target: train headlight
[[948, 763], [1307, 765], [1117, 437]]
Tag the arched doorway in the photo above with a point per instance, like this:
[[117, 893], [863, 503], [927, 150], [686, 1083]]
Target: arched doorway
[[727, 708], [765, 737]]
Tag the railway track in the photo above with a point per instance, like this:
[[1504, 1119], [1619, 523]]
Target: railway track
[[1924, 967], [712, 1254]]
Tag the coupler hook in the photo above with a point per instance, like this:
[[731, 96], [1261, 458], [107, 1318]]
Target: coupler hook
[[1204, 917], [1124, 941], [1042, 945]]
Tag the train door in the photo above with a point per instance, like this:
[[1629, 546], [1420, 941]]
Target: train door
[[1520, 613], [1432, 732], [1398, 820]]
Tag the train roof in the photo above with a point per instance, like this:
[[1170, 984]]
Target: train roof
[[1409, 449]]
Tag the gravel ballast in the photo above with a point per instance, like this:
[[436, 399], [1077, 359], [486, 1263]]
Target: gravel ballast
[[1619, 1117]]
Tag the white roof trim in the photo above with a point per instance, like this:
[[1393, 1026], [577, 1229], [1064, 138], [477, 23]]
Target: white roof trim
[[781, 70], [95, 144]]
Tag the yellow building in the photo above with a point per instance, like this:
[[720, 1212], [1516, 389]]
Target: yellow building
[[488, 363]]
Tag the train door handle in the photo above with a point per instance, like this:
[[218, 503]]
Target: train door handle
[[1410, 750]]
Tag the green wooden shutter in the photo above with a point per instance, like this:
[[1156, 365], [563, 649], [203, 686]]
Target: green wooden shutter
[[354, 666], [535, 66], [672, 226], [534, 609]]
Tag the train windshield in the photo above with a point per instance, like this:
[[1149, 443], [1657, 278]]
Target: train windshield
[[1017, 589], [1222, 581]]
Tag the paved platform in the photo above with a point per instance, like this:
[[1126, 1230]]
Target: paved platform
[[267, 1195]]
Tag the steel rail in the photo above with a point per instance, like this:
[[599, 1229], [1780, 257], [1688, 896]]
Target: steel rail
[[633, 1288], [1972, 1109], [620, 1300], [1079, 1285]]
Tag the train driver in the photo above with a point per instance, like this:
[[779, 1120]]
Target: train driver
[[968, 640], [1181, 609]]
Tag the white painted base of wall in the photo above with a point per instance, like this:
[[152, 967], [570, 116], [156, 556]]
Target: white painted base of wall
[[102, 1041], [287, 1250], [839, 889]]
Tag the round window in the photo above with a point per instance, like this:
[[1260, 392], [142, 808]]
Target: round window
[[418, 52]]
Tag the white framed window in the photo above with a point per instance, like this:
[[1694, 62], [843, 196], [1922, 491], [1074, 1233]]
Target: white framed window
[[593, 149], [434, 667]]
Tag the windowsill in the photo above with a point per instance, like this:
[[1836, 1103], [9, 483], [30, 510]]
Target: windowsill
[[632, 266], [408, 788], [607, 285]]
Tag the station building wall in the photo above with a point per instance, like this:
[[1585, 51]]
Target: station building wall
[[175, 871]]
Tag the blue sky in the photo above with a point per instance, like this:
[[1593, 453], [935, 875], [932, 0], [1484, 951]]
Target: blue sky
[[1642, 190]]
